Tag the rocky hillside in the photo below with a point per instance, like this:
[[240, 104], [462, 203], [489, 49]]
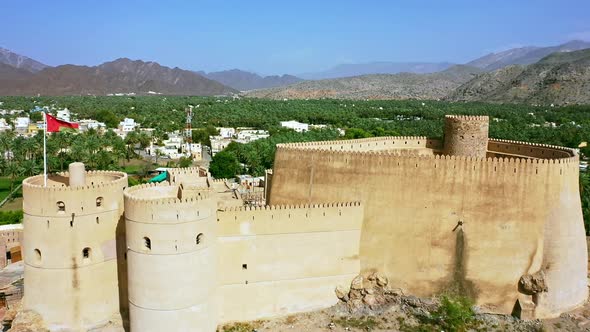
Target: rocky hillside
[[243, 80], [559, 78], [20, 61], [120, 76], [379, 67], [524, 55], [380, 86]]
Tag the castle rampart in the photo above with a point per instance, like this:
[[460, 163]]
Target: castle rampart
[[71, 248], [429, 214], [454, 222]]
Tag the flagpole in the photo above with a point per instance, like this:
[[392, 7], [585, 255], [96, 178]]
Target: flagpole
[[45, 151]]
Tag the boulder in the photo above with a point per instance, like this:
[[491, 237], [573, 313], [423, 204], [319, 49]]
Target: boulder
[[357, 283], [532, 283]]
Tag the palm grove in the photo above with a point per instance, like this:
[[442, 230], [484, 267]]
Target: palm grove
[[567, 126]]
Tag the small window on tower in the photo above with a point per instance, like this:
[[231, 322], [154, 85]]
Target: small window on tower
[[99, 201], [147, 243], [61, 206], [200, 238], [37, 257], [86, 253]]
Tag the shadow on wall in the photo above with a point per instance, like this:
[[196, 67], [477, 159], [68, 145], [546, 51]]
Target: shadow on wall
[[122, 272]]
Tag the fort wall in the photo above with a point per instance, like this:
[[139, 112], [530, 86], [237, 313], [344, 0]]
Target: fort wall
[[171, 258], [279, 260], [72, 276], [445, 222]]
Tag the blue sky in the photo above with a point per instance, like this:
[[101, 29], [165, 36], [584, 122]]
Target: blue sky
[[272, 37]]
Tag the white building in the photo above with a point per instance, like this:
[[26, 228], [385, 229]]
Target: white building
[[21, 124], [64, 114], [295, 125], [127, 125], [226, 132], [250, 135], [175, 147], [87, 124], [4, 125], [248, 180], [218, 143]]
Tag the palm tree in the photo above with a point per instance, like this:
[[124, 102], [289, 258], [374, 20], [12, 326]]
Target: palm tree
[[14, 170]]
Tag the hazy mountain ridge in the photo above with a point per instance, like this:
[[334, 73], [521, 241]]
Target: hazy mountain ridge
[[20, 61], [380, 67], [119, 76], [524, 55], [559, 78], [243, 80], [377, 86]]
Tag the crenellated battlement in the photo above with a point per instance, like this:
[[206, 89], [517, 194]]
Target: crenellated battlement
[[59, 181], [468, 117], [188, 171], [290, 219], [291, 207], [163, 193], [354, 141], [536, 153], [101, 193]]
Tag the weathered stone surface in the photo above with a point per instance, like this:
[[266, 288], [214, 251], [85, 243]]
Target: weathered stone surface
[[357, 283], [532, 283], [381, 280], [28, 321], [370, 300], [341, 292]]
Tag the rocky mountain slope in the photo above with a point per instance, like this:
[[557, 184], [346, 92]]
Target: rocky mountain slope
[[379, 86], [243, 80], [119, 76], [524, 55], [559, 78], [383, 67], [20, 61]]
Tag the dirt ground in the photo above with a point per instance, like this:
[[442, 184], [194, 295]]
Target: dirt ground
[[398, 318], [12, 205], [372, 305]]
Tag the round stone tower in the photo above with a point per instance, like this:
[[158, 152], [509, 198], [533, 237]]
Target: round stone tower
[[466, 135], [171, 257], [71, 247]]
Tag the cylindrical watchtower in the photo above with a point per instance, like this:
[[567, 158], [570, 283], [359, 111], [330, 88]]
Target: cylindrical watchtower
[[171, 257], [71, 248], [466, 135]]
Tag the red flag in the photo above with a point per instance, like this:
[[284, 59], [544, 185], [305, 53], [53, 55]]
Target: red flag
[[53, 124]]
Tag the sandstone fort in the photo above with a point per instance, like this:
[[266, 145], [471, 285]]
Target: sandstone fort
[[498, 221]]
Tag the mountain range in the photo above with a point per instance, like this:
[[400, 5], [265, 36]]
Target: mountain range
[[559, 78], [382, 67], [376, 86], [524, 55], [243, 80], [119, 76], [20, 61], [556, 74]]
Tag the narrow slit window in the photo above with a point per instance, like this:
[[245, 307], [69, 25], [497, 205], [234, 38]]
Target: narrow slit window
[[37, 255], [86, 253], [147, 243]]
